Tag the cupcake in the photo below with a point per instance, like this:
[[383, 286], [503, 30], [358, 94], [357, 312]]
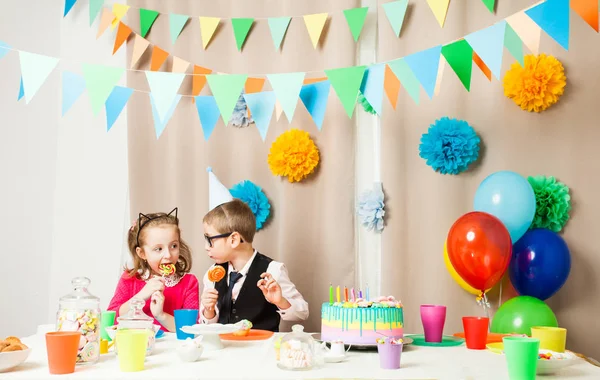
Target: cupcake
[[245, 326]]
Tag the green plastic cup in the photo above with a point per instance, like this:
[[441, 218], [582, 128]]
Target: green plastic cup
[[521, 357], [132, 349], [107, 319]]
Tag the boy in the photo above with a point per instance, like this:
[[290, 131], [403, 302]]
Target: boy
[[256, 287]]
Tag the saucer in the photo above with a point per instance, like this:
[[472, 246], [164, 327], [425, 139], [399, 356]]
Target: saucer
[[334, 358]]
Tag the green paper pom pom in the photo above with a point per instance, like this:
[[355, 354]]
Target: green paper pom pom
[[553, 203], [365, 104]]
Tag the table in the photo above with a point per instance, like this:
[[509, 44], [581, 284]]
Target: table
[[256, 360]]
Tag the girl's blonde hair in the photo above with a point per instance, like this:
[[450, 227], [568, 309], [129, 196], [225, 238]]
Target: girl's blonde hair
[[137, 234]]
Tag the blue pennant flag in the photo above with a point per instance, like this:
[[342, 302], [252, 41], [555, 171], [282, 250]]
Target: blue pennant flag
[[73, 86], [4, 49], [553, 17], [161, 123], [208, 112], [424, 65], [488, 43], [21, 90], [372, 86], [115, 103], [314, 97], [261, 104], [68, 5]]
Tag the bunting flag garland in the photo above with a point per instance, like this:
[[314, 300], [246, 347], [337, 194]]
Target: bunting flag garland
[[459, 56], [241, 28], [355, 18], [488, 43], [115, 103], [123, 33], [73, 86], [105, 21], [439, 9], [346, 83], [208, 26], [140, 45], [94, 9], [176, 25], [35, 69], [119, 11], [587, 10], [278, 27], [147, 18], [100, 81], [395, 12], [553, 17], [68, 5], [314, 24], [489, 4], [261, 104], [208, 112]]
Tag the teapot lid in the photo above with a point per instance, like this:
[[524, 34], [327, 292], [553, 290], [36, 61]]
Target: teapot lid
[[80, 296], [135, 314]]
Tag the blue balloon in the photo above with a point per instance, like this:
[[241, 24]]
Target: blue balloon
[[509, 197], [540, 264]]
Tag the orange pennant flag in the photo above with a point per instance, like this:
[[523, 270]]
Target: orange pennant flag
[[140, 44], [159, 56], [123, 34], [587, 10], [482, 66], [254, 85], [391, 85], [314, 80], [199, 79], [179, 65], [105, 21]]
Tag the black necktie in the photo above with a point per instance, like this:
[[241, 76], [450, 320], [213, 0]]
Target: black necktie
[[228, 299]]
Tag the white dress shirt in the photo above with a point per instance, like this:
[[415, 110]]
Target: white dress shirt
[[298, 311]]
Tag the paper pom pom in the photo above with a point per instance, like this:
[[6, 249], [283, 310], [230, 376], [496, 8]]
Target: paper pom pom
[[294, 155], [365, 104], [552, 203], [370, 208], [254, 197], [240, 117], [449, 146], [536, 86]]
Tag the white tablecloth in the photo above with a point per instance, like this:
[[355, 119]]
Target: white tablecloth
[[256, 360]]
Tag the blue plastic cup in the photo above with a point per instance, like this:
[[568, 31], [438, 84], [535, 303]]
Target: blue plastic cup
[[185, 317]]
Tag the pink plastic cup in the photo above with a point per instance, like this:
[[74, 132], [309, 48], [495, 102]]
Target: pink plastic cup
[[433, 318]]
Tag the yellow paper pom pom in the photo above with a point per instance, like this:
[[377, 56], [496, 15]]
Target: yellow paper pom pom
[[294, 155], [536, 86]]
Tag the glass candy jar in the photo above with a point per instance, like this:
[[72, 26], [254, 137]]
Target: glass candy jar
[[138, 320], [80, 311], [296, 351]]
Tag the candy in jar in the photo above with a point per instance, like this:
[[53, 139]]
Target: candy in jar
[[296, 350], [80, 311]]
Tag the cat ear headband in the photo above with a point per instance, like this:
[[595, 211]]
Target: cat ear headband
[[148, 219]]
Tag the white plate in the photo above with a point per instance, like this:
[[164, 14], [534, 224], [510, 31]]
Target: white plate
[[9, 360], [334, 358], [553, 365], [209, 329]]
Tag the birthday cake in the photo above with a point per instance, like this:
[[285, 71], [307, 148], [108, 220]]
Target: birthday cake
[[362, 322]]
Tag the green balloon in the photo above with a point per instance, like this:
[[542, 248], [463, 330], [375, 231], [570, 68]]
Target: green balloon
[[519, 314]]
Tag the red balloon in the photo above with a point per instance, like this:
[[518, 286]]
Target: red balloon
[[479, 248]]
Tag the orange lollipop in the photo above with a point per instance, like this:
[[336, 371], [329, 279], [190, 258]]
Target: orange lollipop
[[216, 273], [167, 269]]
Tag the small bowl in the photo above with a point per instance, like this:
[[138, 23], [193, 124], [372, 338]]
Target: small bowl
[[9, 360], [189, 352], [556, 363]]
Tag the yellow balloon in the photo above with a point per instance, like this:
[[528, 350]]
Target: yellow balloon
[[459, 280]]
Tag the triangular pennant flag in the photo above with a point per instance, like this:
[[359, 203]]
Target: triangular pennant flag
[[407, 78], [440, 74], [68, 5], [489, 45], [123, 34], [514, 44], [105, 21], [208, 112], [395, 12], [199, 79], [163, 88], [119, 11], [21, 90], [35, 68], [587, 10], [482, 66], [314, 24], [439, 9], [391, 85], [553, 17], [355, 18], [95, 6], [314, 80], [346, 82], [226, 89], [527, 30], [278, 27], [208, 26], [73, 86], [4, 49], [278, 109], [159, 56], [261, 104], [179, 65], [254, 85], [241, 28], [287, 88], [176, 24], [100, 81], [161, 123], [314, 97], [140, 45], [147, 18], [459, 55], [424, 65], [372, 86], [115, 103], [489, 4]]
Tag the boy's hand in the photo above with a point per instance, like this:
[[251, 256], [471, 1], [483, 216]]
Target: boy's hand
[[209, 300], [272, 291]]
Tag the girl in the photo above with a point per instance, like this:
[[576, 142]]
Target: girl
[[154, 240]]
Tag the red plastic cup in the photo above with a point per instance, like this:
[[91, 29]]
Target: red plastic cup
[[476, 331]]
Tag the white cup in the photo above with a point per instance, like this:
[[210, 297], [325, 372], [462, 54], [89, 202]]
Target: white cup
[[337, 348]]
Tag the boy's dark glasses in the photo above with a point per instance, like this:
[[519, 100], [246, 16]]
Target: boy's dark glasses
[[209, 239]]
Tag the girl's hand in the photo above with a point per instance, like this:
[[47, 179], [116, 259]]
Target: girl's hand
[[155, 284], [157, 303]]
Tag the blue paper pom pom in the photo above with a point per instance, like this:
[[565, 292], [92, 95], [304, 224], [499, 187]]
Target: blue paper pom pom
[[371, 208], [449, 146], [254, 197]]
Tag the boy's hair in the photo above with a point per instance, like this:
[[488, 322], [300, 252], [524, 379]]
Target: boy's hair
[[233, 216], [137, 235]]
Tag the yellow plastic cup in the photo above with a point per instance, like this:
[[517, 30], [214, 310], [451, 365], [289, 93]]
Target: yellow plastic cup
[[551, 338], [132, 349]]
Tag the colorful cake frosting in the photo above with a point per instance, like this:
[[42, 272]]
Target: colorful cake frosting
[[362, 321]]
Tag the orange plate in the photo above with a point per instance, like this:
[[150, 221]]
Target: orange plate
[[491, 338], [252, 335]]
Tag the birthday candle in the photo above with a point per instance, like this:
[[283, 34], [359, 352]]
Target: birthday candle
[[367, 292], [330, 294], [338, 294], [360, 294], [345, 294], [353, 295]]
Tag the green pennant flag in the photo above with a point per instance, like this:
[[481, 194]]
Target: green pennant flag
[[241, 28], [278, 26], [95, 6], [489, 4], [513, 43], [226, 89], [356, 19], [346, 82], [459, 55], [100, 81], [176, 24], [395, 12], [147, 18], [407, 78]]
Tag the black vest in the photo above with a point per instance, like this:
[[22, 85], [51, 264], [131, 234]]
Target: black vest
[[250, 303]]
